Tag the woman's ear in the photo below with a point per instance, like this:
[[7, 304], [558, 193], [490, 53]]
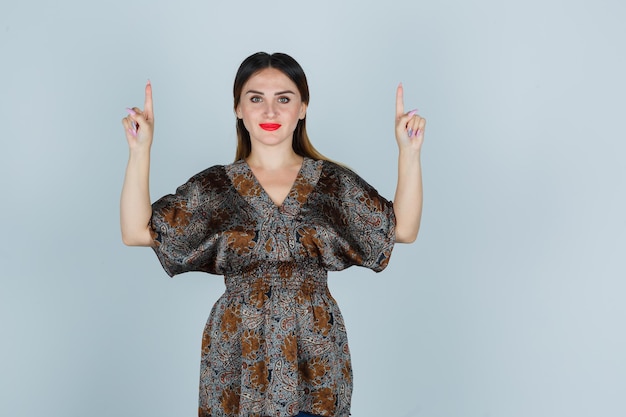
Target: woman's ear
[[303, 111]]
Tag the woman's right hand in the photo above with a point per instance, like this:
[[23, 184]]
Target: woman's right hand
[[135, 208], [139, 124]]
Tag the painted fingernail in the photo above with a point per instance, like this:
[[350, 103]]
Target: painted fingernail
[[417, 132], [412, 113], [410, 132], [130, 111]]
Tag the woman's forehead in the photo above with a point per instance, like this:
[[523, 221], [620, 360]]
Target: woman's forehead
[[269, 79]]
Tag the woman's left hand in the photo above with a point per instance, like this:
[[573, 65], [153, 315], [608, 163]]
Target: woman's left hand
[[409, 126]]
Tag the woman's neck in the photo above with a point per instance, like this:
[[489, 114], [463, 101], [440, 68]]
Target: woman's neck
[[273, 159]]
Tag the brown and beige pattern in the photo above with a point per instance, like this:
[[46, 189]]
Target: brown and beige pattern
[[275, 342]]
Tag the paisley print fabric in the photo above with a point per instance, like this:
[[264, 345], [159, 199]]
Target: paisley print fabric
[[275, 342]]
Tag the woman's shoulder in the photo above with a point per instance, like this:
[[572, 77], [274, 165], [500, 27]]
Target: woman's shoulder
[[339, 179], [339, 172], [335, 168], [212, 177]]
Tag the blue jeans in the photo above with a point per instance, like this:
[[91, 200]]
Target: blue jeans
[[303, 414]]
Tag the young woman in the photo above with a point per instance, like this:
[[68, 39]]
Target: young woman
[[274, 223]]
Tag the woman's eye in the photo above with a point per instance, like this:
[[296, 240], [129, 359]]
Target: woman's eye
[[283, 100], [256, 99]]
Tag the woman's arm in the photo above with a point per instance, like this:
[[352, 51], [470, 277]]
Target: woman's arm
[[407, 204], [135, 206]]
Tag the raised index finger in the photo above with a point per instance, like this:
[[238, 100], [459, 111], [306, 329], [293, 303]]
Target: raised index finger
[[147, 107], [399, 101]]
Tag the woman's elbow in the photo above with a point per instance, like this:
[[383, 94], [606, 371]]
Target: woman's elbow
[[135, 239], [128, 241], [406, 236], [406, 239]]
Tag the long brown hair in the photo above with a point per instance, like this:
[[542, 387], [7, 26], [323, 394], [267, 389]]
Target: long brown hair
[[288, 66]]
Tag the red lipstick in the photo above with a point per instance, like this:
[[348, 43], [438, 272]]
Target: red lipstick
[[269, 126]]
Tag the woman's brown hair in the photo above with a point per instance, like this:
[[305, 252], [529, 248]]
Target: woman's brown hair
[[288, 66]]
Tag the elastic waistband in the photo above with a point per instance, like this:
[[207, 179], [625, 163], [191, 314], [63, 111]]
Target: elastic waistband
[[284, 275]]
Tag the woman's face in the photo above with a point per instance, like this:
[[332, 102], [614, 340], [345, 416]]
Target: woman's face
[[270, 106]]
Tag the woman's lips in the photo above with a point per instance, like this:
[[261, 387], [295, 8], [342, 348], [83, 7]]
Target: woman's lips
[[269, 126]]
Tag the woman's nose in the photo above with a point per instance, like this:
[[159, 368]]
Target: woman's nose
[[270, 109]]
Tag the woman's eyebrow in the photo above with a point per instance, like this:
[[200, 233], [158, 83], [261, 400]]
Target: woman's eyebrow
[[280, 93]]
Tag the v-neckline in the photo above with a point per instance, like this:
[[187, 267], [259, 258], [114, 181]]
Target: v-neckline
[[248, 188], [266, 195]]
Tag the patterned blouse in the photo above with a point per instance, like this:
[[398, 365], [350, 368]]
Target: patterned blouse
[[275, 342]]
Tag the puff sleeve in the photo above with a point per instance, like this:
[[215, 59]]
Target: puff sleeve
[[359, 222], [183, 235]]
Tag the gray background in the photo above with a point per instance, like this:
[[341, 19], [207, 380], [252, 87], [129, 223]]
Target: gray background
[[510, 302]]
